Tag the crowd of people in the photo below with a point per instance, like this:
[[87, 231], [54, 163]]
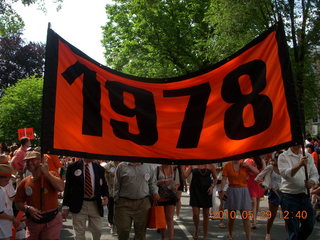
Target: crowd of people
[[32, 184]]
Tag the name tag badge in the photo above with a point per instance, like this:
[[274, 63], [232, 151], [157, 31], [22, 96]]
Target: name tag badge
[[147, 176], [28, 191], [78, 172]]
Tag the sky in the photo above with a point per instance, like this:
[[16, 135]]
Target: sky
[[79, 22]]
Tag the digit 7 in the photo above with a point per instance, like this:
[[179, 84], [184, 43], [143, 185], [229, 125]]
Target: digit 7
[[194, 115]]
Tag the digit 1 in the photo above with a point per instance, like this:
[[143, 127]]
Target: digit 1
[[91, 92], [144, 111], [261, 104], [194, 115]]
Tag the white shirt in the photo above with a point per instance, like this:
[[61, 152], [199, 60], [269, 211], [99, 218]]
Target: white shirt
[[296, 184], [91, 174], [270, 178], [5, 207]]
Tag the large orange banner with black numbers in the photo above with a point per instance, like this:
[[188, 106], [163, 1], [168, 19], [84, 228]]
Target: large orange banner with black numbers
[[237, 108]]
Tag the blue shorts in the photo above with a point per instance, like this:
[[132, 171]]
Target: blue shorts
[[273, 198]]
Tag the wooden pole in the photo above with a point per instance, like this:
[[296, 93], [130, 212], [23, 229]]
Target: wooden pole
[[42, 198]]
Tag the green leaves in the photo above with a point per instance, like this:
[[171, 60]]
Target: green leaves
[[20, 107], [155, 38], [10, 21]]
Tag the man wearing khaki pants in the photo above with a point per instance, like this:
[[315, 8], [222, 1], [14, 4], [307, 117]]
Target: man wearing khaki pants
[[135, 183]]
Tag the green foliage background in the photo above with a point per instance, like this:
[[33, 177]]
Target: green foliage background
[[20, 107]]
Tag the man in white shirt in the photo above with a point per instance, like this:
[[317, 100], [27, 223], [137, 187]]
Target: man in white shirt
[[7, 218], [296, 205]]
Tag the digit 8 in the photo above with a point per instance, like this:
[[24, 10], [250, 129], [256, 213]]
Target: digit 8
[[261, 104]]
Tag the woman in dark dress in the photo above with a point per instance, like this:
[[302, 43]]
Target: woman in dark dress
[[204, 178], [179, 168]]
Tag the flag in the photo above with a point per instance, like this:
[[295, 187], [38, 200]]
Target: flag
[[25, 132], [242, 106]]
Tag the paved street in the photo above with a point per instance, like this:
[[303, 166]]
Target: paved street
[[184, 228]]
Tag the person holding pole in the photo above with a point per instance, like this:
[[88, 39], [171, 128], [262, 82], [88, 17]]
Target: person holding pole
[[37, 196], [299, 174]]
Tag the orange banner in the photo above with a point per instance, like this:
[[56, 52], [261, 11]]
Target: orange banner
[[242, 106]]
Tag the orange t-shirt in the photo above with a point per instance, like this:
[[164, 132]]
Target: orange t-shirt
[[315, 158], [29, 191], [236, 178]]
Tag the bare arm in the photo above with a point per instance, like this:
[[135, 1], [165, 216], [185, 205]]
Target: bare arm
[[56, 182], [263, 173], [214, 174], [34, 212], [223, 182], [187, 171], [15, 222], [251, 168]]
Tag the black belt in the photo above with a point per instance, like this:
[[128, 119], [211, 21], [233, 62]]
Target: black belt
[[89, 199], [134, 199], [46, 217], [298, 195]]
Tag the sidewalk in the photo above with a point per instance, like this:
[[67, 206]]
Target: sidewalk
[[184, 227]]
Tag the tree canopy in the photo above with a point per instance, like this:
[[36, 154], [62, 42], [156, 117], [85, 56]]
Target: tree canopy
[[10, 21], [19, 60], [156, 38], [20, 107]]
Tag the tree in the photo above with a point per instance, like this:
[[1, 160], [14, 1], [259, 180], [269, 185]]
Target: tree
[[10, 21], [20, 107], [19, 60], [156, 38], [235, 23]]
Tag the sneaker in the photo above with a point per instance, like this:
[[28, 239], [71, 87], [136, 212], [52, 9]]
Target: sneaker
[[222, 225], [268, 237], [113, 231]]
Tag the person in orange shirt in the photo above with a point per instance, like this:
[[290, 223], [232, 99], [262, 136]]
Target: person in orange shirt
[[37, 196], [310, 149], [238, 197]]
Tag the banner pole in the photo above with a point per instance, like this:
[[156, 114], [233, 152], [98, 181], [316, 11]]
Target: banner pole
[[305, 169]]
